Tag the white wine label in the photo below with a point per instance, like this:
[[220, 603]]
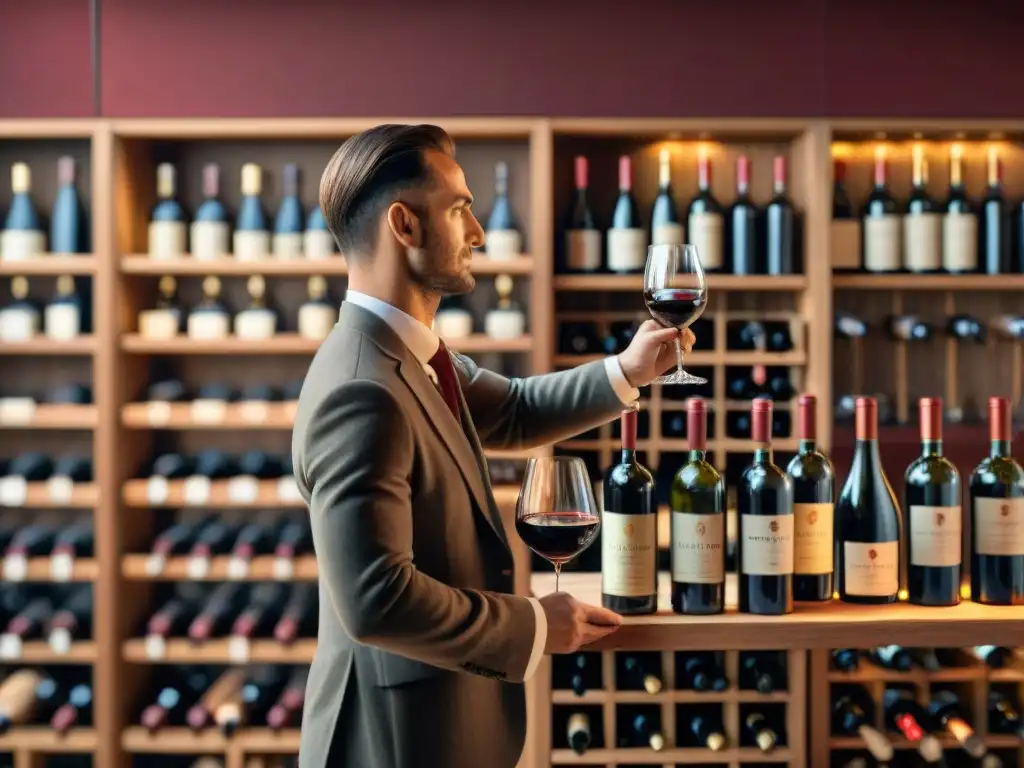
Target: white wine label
[[287, 245], [251, 245], [158, 413], [13, 491], [882, 243], [17, 324], [999, 527], [211, 240], [156, 490], [504, 324], [238, 568], [922, 241], [155, 565], [60, 642], [583, 249], [706, 234], [284, 569], [767, 545], [243, 489], [668, 234], [62, 322], [288, 490], [255, 324], [208, 325], [167, 239], [453, 323], [698, 554], [196, 490], [17, 411], [846, 244], [198, 567], [254, 411], [21, 244], [960, 242], [316, 321], [15, 568], [238, 649], [627, 249], [813, 543], [318, 244], [10, 646], [629, 547], [62, 567], [208, 411], [60, 489], [156, 647], [871, 569], [158, 323], [503, 243], [936, 536]]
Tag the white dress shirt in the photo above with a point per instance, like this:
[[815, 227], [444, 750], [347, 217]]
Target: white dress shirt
[[423, 343]]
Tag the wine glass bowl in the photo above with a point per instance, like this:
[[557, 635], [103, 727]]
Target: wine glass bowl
[[676, 293], [556, 515]]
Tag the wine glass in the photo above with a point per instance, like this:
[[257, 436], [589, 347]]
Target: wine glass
[[556, 515], [676, 293]]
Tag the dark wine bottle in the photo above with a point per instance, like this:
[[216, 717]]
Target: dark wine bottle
[[813, 510], [945, 708], [1003, 716], [218, 612], [868, 527], [850, 719], [299, 616], [997, 517], [182, 690], [665, 225], [582, 247], [995, 220], [765, 536], [922, 226], [934, 520], [707, 729], [577, 732], [908, 718], [640, 676], [698, 525], [286, 710], [846, 659], [627, 237], [742, 232], [881, 224], [704, 219], [760, 732], [644, 733], [629, 532], [780, 226], [960, 224]]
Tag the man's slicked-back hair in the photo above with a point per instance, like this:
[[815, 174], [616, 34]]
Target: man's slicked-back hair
[[365, 174]]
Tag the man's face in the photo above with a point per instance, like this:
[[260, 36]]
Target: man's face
[[450, 231]]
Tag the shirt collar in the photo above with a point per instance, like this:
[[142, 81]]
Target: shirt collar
[[421, 340]]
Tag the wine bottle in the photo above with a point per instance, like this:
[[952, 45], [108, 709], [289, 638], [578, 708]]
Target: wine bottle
[[164, 321], [1003, 716], [17, 697], [627, 238], [255, 539], [578, 732], [908, 718], [72, 622], [506, 319], [742, 235], [894, 657], [173, 701], [64, 317], [218, 613], [845, 227], [639, 676], [175, 540], [76, 710], [214, 539], [944, 707], [211, 229], [502, 237], [629, 531], [318, 314], [698, 525], [701, 672], [846, 659], [997, 517], [762, 672], [780, 226], [259, 616], [666, 228], [20, 320], [251, 238], [993, 656], [849, 719], [643, 732], [765, 537], [255, 698], [257, 321], [995, 220], [582, 237], [881, 224], [317, 240], [296, 539], [762, 734], [68, 223], [704, 219], [22, 238], [934, 521], [813, 510], [922, 226], [167, 230], [288, 223], [959, 225], [172, 618], [868, 526], [299, 616], [707, 729], [225, 690], [210, 318], [286, 709]]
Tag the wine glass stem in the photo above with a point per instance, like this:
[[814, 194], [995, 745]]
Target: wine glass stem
[[679, 354], [558, 571]]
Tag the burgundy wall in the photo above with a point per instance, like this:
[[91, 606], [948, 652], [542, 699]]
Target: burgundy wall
[[211, 58]]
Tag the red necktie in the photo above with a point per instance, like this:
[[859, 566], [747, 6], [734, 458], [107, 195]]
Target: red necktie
[[441, 362]]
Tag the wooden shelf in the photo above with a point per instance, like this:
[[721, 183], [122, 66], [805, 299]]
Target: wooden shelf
[[673, 697], [51, 265], [42, 346], [49, 416], [292, 344], [142, 264], [137, 568], [41, 652], [635, 283], [222, 494], [45, 740], [685, 756], [179, 416], [43, 496], [908, 282], [185, 741], [47, 569], [220, 651]]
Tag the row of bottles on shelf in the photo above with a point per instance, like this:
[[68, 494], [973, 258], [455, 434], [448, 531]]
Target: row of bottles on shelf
[[199, 471], [18, 404], [59, 698], [914, 328], [58, 615], [60, 475], [901, 658], [66, 316], [923, 234], [54, 538], [743, 240], [24, 236]]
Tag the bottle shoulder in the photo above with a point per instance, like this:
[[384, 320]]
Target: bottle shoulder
[[931, 470], [696, 474], [1003, 470], [813, 464]]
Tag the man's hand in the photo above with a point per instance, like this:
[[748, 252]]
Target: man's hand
[[572, 624], [652, 352]]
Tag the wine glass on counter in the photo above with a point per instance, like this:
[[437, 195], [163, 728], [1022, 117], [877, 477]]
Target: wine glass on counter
[[556, 514], [676, 294]]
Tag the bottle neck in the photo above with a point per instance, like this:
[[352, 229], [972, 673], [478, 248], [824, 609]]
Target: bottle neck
[[999, 449], [808, 445], [931, 447], [697, 455], [628, 456], [763, 454]]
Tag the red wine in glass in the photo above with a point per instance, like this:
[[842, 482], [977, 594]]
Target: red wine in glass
[[558, 536], [675, 306]]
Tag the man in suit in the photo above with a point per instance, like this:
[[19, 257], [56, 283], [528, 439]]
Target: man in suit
[[423, 648]]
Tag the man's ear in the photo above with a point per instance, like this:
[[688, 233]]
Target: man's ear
[[405, 225]]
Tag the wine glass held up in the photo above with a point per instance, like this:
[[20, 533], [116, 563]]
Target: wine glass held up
[[676, 294]]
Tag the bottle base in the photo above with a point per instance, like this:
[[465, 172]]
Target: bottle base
[[868, 600]]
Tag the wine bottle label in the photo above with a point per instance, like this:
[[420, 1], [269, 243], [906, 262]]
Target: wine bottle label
[[669, 233], [922, 241], [159, 323], [62, 321], [767, 545], [21, 244], [629, 547], [453, 323], [503, 243], [871, 569], [255, 324], [697, 553], [999, 527], [211, 240], [17, 411], [158, 413], [251, 245], [882, 243], [167, 239], [238, 649], [845, 244], [583, 249], [706, 233], [316, 321], [284, 569], [936, 536], [60, 490], [13, 492], [157, 490], [208, 410], [155, 647], [18, 324], [504, 323], [627, 249], [62, 567], [10, 647], [196, 490], [254, 411], [288, 490], [287, 245], [318, 244], [960, 242], [813, 544], [208, 325], [243, 489]]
